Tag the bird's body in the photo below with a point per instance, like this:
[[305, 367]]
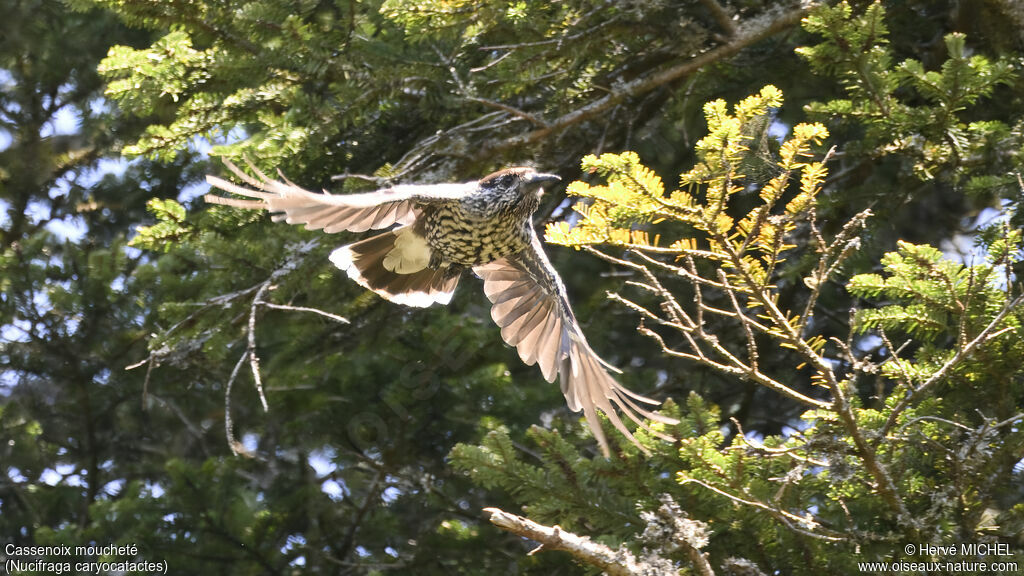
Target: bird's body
[[444, 229], [490, 221], [466, 233]]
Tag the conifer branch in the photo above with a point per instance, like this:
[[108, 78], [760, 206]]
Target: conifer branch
[[790, 520], [790, 335], [988, 333], [751, 33]]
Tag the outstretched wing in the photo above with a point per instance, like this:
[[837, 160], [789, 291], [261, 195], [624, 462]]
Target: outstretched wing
[[332, 213], [531, 307]]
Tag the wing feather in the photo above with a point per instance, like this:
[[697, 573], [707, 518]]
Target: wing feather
[[548, 348], [329, 212], [524, 320], [529, 345], [529, 335], [530, 305]]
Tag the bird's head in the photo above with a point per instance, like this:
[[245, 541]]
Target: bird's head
[[523, 179]]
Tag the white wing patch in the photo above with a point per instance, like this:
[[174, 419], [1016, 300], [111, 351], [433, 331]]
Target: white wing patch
[[410, 254]]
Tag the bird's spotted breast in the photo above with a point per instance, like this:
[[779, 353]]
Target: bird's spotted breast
[[491, 223], [457, 239]]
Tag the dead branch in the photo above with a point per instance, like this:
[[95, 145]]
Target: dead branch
[[619, 562]]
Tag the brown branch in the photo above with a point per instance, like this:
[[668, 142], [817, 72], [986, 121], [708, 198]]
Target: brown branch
[[752, 350], [645, 312], [620, 562], [721, 16], [690, 275], [845, 243], [372, 496], [691, 328], [698, 355], [784, 451], [755, 31], [894, 356], [510, 109], [791, 335]]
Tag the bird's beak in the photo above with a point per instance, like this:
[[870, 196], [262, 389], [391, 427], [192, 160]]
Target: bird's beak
[[542, 178]]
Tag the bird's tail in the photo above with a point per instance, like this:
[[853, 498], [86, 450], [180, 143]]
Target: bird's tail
[[364, 263]]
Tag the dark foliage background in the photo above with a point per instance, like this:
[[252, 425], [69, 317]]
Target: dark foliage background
[[115, 359]]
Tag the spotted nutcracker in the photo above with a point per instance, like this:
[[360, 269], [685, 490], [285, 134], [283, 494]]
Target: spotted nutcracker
[[442, 230]]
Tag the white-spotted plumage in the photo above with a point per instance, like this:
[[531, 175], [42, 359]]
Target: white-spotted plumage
[[444, 229]]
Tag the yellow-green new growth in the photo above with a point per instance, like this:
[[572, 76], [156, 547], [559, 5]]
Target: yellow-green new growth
[[623, 211]]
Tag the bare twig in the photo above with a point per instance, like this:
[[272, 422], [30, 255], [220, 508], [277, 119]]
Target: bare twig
[[372, 497], [323, 313], [646, 313], [789, 334], [752, 352], [692, 331], [491, 63], [250, 351], [379, 180], [845, 243], [191, 426], [894, 356], [510, 109], [237, 448], [933, 419], [787, 518], [560, 40], [689, 274]]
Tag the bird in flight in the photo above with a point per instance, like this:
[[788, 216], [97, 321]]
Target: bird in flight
[[442, 230]]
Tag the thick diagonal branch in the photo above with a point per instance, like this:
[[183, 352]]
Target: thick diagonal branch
[[752, 33], [613, 562]]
